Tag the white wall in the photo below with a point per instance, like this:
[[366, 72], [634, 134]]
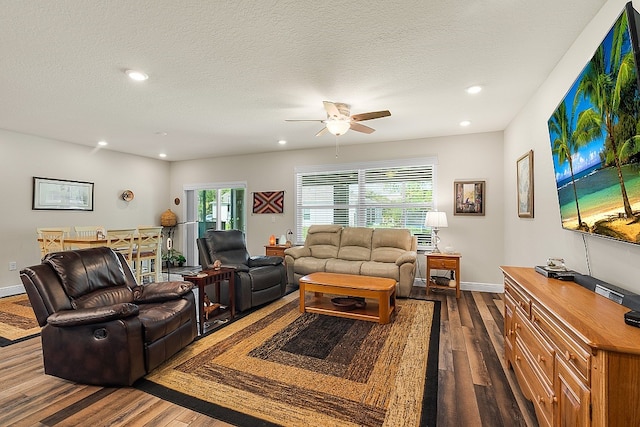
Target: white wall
[[468, 157], [23, 156], [530, 242]]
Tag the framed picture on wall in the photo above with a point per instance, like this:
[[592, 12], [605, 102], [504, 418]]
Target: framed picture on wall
[[62, 194], [524, 168], [469, 197]]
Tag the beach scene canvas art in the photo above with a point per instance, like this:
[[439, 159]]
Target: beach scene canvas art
[[595, 141]]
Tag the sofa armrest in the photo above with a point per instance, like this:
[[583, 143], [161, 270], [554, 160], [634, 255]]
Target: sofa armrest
[[85, 316], [298, 251], [263, 260], [409, 256], [161, 291]]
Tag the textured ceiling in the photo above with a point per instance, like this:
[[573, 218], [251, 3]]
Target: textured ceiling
[[224, 75]]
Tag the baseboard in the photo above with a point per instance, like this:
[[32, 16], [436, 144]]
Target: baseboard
[[482, 287], [12, 290], [470, 286]]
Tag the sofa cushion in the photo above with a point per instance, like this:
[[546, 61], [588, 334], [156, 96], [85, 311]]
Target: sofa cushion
[[161, 319], [227, 246], [343, 266], [388, 244], [86, 270], [355, 244], [380, 269], [323, 240], [264, 277], [308, 265], [104, 297]]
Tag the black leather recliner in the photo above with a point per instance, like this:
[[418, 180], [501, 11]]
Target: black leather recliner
[[98, 325], [258, 279]]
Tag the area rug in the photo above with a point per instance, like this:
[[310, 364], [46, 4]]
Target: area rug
[[278, 366], [17, 320]]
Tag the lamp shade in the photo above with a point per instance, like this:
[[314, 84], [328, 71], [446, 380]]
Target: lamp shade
[[436, 219], [338, 127]]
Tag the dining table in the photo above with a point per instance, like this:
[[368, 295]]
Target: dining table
[[83, 242]]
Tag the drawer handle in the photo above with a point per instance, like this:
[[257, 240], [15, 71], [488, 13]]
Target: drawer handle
[[517, 358], [541, 359], [540, 399], [516, 325], [534, 319], [509, 332], [569, 356]]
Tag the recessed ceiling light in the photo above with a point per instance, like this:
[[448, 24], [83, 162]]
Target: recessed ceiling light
[[103, 143], [163, 155], [282, 142], [136, 75], [161, 133], [465, 123], [474, 89]]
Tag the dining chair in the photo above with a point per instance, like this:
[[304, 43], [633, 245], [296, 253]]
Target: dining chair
[[87, 230], [147, 251], [66, 230], [51, 240], [123, 241]]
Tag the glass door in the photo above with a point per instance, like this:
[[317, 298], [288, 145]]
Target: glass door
[[216, 206]]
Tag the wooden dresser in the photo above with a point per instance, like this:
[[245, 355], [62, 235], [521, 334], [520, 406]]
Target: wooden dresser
[[572, 353]]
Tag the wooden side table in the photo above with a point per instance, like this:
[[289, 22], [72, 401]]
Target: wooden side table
[[213, 276], [275, 250], [439, 261]]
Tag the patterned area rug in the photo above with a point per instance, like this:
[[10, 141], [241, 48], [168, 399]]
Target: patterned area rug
[[17, 320], [278, 366]]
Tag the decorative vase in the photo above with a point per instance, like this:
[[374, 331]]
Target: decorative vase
[[168, 219], [282, 240]]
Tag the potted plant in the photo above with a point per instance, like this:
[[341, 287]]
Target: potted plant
[[174, 257]]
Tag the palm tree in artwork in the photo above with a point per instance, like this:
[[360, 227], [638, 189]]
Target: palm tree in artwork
[[568, 140], [603, 88]]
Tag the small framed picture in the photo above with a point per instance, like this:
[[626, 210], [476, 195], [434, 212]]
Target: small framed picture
[[469, 197], [524, 167]]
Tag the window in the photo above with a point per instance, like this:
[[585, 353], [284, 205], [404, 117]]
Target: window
[[393, 194]]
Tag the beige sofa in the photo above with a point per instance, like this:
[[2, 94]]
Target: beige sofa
[[381, 252]]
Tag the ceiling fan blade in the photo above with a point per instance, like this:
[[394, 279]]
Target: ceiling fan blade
[[322, 131], [361, 128], [370, 116], [332, 110], [303, 120]]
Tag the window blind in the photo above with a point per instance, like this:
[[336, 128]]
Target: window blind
[[379, 195]]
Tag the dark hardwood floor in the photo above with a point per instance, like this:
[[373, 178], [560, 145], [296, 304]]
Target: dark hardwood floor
[[474, 387]]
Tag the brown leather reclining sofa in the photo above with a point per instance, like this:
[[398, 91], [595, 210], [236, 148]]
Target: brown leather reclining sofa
[[98, 325]]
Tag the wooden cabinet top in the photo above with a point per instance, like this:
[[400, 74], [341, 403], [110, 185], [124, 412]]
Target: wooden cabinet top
[[594, 318]]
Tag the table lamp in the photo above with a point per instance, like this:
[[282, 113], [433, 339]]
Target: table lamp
[[436, 220]]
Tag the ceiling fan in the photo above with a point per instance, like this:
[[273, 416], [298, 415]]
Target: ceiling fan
[[339, 119]]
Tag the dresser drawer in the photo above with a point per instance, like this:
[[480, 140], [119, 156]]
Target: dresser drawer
[[522, 301], [443, 263], [540, 350], [575, 356], [533, 387]]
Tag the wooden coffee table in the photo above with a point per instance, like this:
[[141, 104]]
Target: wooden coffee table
[[381, 290]]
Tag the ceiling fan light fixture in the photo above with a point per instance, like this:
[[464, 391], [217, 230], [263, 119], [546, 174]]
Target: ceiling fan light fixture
[[338, 127]]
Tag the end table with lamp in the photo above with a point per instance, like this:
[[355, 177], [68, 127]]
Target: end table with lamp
[[440, 261]]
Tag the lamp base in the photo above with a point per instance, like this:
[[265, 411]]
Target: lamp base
[[437, 240]]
